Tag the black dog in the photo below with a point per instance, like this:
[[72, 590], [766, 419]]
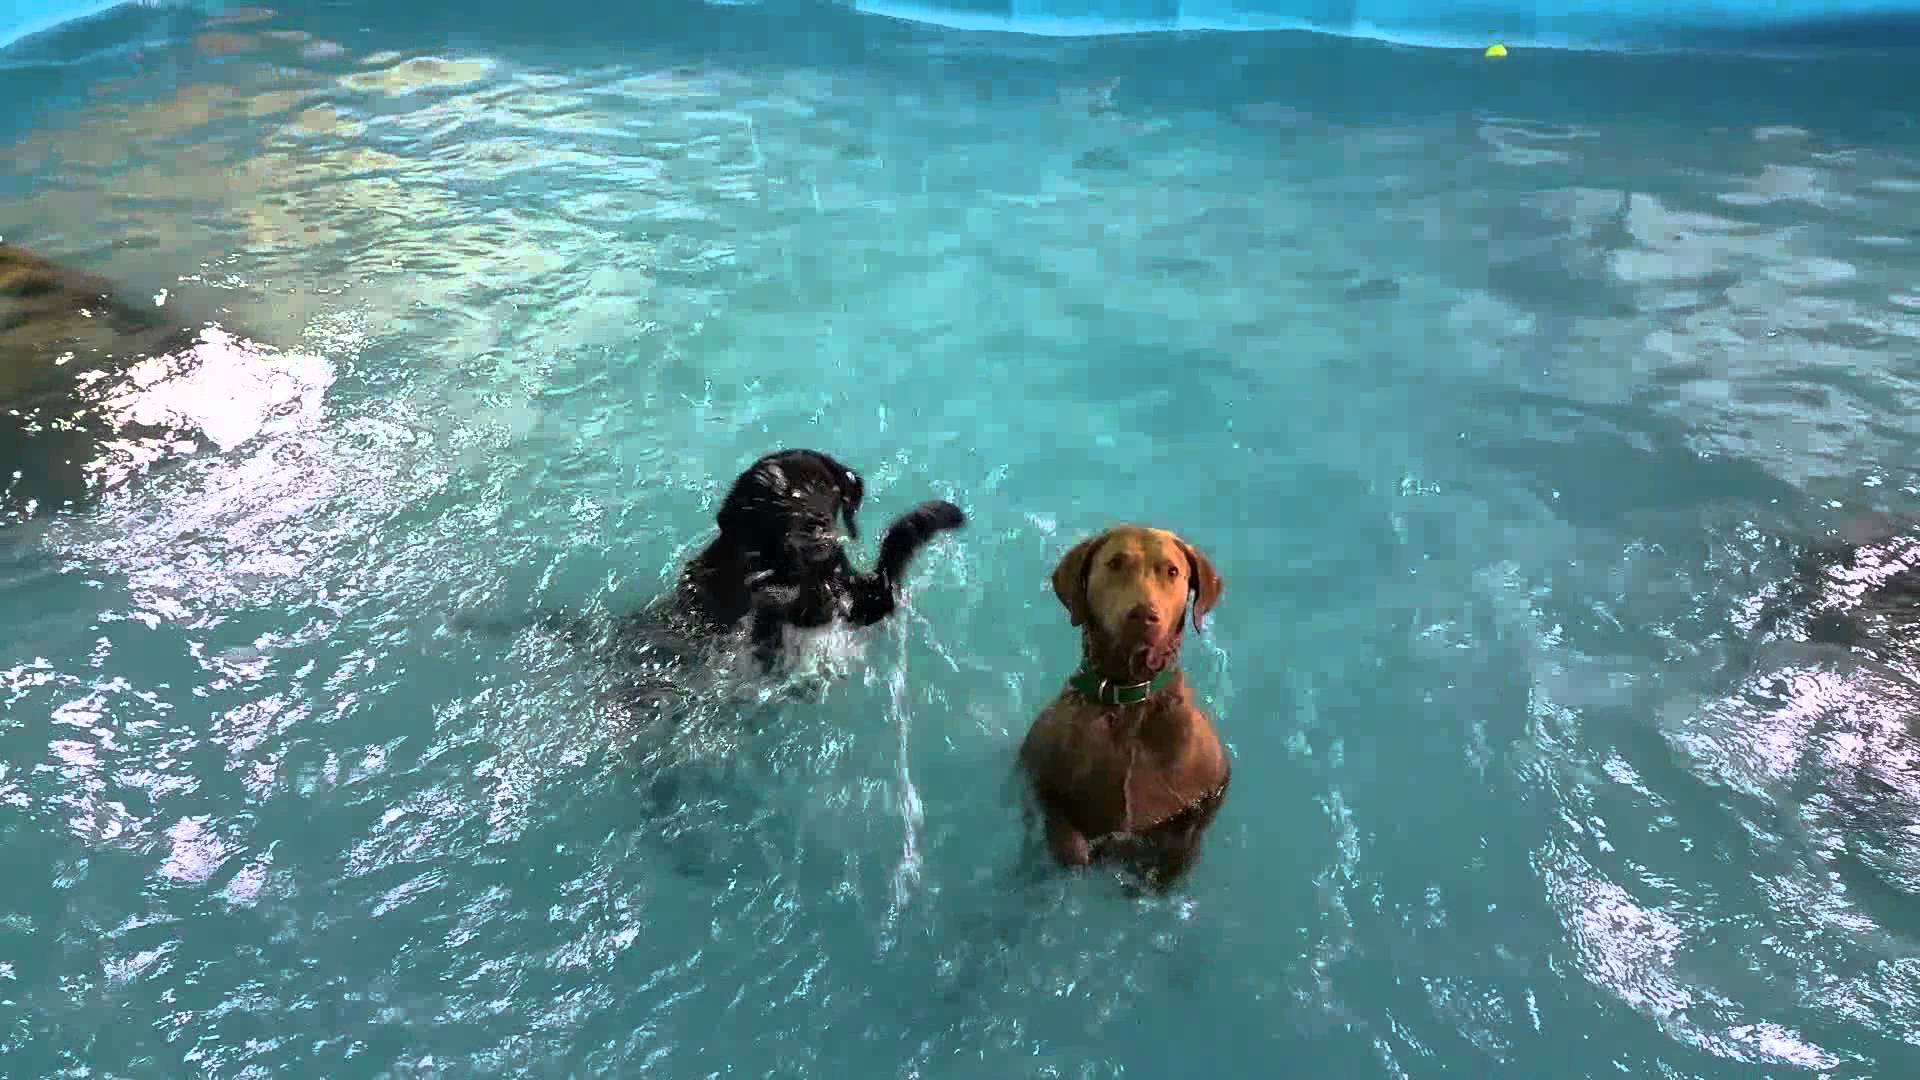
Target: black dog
[[779, 561]]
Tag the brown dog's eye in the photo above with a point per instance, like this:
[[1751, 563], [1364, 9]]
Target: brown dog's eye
[[1116, 562], [1173, 570]]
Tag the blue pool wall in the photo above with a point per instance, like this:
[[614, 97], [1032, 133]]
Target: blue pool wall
[[24, 18], [1545, 23], [1568, 24]]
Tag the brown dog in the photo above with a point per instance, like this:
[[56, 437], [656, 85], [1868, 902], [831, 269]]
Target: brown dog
[[1125, 767]]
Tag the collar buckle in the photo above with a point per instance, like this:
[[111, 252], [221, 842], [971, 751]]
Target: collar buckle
[[1107, 692]]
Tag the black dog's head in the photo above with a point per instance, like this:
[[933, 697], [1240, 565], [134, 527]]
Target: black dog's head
[[784, 506]]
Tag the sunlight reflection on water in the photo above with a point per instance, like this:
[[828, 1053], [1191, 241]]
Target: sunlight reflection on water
[[1492, 465]]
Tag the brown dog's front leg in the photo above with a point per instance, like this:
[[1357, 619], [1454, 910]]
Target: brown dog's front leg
[[1065, 841]]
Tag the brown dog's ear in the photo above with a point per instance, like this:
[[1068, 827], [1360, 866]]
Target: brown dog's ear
[[1070, 578], [1207, 585]]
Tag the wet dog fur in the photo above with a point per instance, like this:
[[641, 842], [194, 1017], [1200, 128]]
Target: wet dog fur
[[778, 566], [780, 561], [1123, 765]]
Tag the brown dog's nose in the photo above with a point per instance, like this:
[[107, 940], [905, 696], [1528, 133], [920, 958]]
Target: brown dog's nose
[[1141, 613]]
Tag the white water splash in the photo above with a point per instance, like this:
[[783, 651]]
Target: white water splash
[[906, 876]]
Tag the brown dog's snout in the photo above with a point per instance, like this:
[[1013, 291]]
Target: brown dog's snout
[[1144, 614]]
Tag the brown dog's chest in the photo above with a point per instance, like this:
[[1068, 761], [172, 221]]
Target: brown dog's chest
[[1123, 769]]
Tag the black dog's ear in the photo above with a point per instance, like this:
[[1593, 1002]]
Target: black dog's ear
[[852, 490]]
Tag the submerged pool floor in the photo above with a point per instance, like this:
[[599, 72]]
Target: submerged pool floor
[[1498, 392]]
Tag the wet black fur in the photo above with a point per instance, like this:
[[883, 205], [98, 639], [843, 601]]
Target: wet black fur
[[778, 561]]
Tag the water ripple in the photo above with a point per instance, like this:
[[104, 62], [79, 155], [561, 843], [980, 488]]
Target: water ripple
[[1505, 471]]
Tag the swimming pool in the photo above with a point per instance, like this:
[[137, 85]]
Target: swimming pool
[[1497, 391]]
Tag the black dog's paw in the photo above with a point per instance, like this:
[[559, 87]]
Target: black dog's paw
[[912, 530], [939, 515], [930, 517]]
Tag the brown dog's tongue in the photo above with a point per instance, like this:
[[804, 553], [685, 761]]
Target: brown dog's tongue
[[1146, 660], [1161, 657], [1131, 663], [1141, 661]]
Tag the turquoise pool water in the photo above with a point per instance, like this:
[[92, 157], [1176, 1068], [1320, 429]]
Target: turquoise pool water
[[1498, 392]]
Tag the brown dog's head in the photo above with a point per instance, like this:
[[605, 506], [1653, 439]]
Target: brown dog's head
[[1129, 587]]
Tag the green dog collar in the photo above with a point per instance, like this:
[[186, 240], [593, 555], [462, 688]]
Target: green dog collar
[[1108, 692]]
